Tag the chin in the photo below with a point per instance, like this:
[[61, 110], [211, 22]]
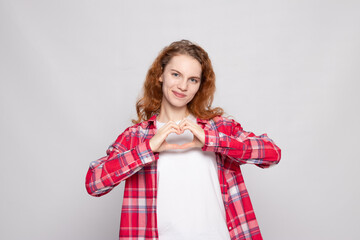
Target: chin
[[179, 104]]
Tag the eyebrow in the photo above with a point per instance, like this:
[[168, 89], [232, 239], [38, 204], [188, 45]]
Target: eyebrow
[[181, 74]]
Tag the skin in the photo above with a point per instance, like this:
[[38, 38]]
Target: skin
[[182, 75]]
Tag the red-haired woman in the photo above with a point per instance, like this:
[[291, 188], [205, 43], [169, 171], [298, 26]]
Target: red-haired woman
[[181, 157]]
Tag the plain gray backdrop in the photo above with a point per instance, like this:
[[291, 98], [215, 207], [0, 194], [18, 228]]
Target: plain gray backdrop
[[71, 72]]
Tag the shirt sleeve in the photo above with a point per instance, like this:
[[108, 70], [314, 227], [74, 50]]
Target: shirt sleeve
[[241, 146], [120, 163]]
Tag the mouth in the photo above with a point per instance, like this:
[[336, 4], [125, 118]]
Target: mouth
[[179, 95]]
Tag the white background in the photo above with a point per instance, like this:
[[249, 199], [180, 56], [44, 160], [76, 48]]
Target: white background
[[71, 72]]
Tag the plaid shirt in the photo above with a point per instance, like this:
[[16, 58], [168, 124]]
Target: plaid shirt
[[130, 158]]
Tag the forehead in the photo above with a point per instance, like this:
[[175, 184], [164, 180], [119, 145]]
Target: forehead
[[185, 64]]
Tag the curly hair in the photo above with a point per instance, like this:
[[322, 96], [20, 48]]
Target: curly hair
[[200, 106]]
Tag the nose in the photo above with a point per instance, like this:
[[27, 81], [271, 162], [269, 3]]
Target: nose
[[182, 85]]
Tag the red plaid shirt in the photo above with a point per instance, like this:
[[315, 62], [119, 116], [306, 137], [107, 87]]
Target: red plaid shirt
[[130, 158]]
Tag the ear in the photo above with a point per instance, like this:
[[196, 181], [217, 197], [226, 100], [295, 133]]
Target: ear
[[161, 78]]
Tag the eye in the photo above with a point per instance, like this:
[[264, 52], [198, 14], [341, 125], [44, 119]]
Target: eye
[[194, 80], [175, 74]]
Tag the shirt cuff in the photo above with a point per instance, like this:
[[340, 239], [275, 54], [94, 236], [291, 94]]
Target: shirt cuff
[[146, 155], [211, 140]]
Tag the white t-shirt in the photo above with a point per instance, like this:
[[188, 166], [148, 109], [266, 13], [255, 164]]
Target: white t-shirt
[[189, 201]]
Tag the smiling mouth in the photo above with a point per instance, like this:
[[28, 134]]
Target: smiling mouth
[[179, 95]]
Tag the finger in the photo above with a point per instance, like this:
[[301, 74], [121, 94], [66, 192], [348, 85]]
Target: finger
[[190, 128], [169, 125], [168, 131], [174, 125], [168, 146], [184, 122], [188, 122], [159, 139], [187, 145], [198, 132]]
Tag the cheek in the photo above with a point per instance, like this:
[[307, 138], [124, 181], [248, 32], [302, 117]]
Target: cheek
[[168, 84], [196, 89]]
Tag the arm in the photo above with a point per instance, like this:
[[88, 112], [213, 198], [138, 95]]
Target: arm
[[121, 162], [229, 138]]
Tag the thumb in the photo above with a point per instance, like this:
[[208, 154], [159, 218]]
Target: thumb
[[187, 145], [169, 146]]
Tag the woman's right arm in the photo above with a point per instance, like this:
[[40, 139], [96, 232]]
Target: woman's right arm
[[122, 161]]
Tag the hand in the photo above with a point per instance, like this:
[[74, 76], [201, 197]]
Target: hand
[[197, 131], [158, 142]]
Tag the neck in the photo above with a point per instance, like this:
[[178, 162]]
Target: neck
[[170, 113]]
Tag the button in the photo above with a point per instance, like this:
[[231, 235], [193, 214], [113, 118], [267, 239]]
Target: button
[[230, 228]]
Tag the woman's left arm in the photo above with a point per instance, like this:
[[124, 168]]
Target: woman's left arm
[[226, 136]]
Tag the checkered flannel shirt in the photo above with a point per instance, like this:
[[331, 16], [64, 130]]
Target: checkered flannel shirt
[[130, 158]]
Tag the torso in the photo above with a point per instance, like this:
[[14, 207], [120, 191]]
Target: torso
[[189, 202]]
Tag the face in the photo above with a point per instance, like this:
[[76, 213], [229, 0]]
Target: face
[[180, 80]]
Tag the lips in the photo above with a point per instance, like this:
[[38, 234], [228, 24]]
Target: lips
[[179, 95]]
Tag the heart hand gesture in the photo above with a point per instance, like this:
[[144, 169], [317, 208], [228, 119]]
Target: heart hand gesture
[[158, 141], [197, 131]]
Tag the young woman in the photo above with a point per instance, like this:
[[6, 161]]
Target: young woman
[[181, 157]]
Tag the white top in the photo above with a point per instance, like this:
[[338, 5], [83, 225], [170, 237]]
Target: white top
[[189, 202]]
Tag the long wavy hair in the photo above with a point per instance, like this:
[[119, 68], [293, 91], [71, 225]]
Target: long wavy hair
[[200, 106]]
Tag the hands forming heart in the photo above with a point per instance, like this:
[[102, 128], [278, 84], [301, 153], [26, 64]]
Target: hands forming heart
[[158, 142]]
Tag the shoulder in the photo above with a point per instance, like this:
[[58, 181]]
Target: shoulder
[[224, 120], [132, 135], [224, 123]]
